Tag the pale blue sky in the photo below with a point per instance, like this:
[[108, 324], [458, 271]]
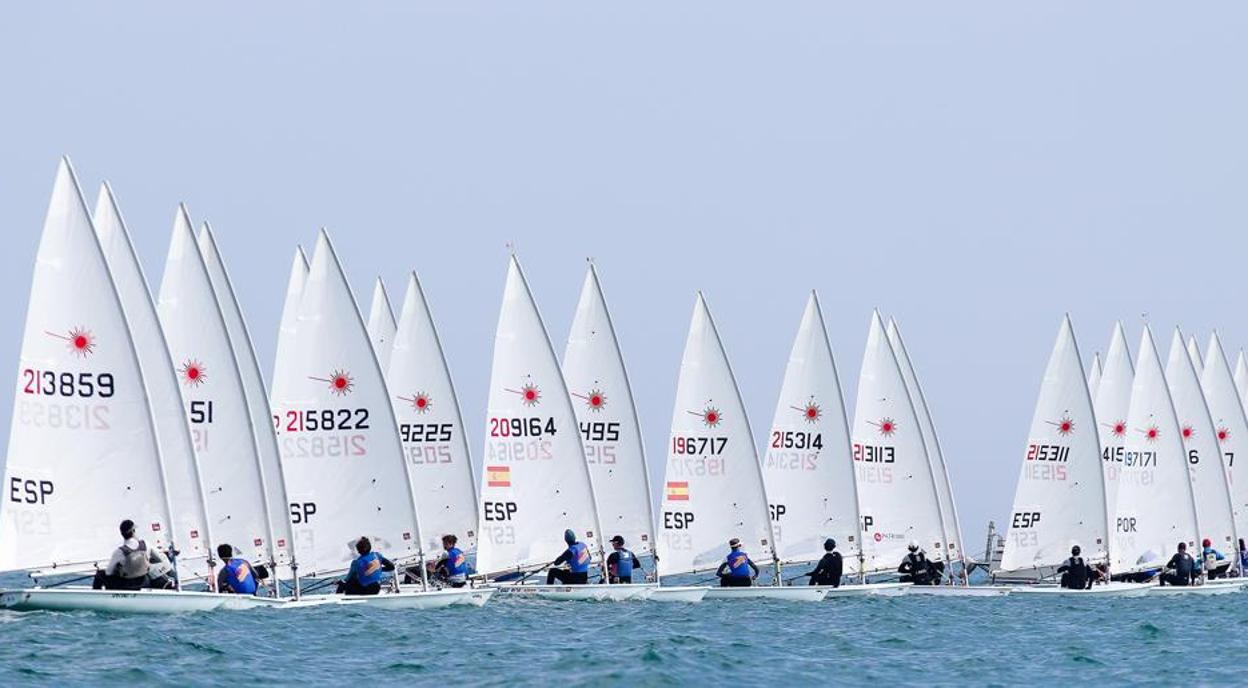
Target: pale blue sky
[[975, 169]]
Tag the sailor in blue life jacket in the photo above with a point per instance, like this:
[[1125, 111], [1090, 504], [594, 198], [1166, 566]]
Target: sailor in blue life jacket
[[365, 575], [1181, 570], [452, 569], [1216, 564], [237, 575], [133, 565], [737, 571], [621, 562], [1243, 558], [577, 557]]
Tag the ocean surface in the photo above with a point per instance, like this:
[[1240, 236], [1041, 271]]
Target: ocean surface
[[1195, 640]]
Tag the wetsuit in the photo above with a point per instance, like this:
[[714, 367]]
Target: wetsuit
[[1076, 574], [620, 565], [915, 568], [737, 571], [364, 578], [828, 571], [1184, 571], [576, 556]]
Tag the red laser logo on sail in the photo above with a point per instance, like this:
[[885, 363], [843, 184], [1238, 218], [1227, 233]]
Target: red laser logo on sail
[[1223, 434], [193, 373], [595, 400], [419, 401], [710, 416], [529, 394], [1065, 426], [79, 340], [1152, 433], [811, 411], [340, 382], [1118, 429], [1188, 432], [886, 426]]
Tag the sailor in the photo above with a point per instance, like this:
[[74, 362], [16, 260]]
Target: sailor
[[1215, 563], [1243, 558], [1181, 570], [621, 562], [916, 568], [576, 556], [828, 571], [237, 575], [737, 571], [1076, 574], [364, 578], [452, 569], [130, 565]]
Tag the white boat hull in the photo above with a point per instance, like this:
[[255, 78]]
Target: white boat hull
[[867, 590], [678, 594], [414, 598], [598, 592], [791, 593], [1110, 590], [1208, 588], [70, 599], [961, 590]]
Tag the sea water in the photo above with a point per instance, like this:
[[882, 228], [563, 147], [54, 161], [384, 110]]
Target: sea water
[[916, 640]]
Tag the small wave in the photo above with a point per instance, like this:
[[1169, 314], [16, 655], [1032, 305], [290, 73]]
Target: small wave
[[1149, 630], [1084, 659], [651, 656]]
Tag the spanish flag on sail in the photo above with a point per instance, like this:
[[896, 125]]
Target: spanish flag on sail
[[678, 491], [498, 476]]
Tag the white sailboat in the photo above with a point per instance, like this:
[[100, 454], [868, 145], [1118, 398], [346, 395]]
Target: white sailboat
[[1155, 508], [1094, 375], [290, 315], [1111, 403], [435, 441], [1231, 428], [83, 450], [213, 396], [807, 465], [535, 482], [896, 488], [381, 325], [1241, 376], [272, 483], [593, 367], [1204, 456], [1193, 352], [951, 527], [1060, 498], [345, 471], [713, 482]]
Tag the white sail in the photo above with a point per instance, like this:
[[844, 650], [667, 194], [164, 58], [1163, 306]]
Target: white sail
[[82, 453], [213, 397], [1155, 509], [1193, 352], [896, 491], [435, 440], [713, 484], [173, 436], [1094, 375], [1060, 498], [381, 325], [1231, 427], [603, 399], [1111, 403], [341, 454], [290, 315], [534, 482], [273, 486], [1241, 376], [807, 467], [951, 528], [1200, 440]]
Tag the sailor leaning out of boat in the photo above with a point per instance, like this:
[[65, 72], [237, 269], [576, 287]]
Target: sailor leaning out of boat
[[133, 565]]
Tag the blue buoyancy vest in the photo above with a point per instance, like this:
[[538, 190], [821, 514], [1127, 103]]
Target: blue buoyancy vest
[[624, 563], [368, 569], [738, 563], [239, 577], [456, 563], [579, 558]]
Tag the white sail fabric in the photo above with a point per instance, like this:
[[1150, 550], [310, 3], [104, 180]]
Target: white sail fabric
[[173, 436], [435, 441], [1060, 498], [603, 399], [1241, 376], [341, 455], [807, 467], [290, 315], [1111, 403], [534, 482], [1155, 509], [381, 325], [212, 394], [273, 486], [896, 490], [950, 527], [1193, 352], [82, 453], [1231, 427], [713, 484], [1094, 375], [1204, 457]]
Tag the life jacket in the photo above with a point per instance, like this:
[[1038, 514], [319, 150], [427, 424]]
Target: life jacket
[[579, 562], [918, 562], [134, 562], [456, 563], [368, 569], [623, 563], [739, 564], [239, 577], [1077, 573]]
